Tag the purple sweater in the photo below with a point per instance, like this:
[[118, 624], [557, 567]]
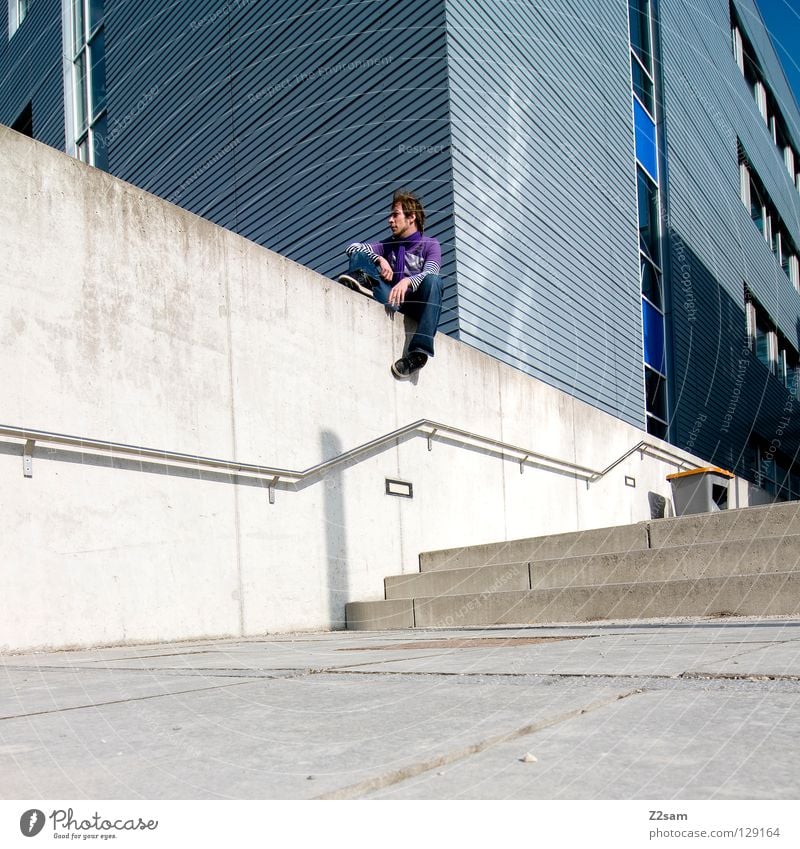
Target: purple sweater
[[422, 256]]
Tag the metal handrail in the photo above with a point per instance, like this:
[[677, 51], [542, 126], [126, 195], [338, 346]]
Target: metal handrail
[[276, 475]]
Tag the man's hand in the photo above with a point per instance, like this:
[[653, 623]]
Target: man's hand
[[398, 293], [385, 269]]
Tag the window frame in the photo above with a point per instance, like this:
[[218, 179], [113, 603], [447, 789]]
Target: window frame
[[85, 60], [17, 12]]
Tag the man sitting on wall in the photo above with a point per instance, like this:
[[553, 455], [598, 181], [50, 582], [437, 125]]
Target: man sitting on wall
[[404, 273]]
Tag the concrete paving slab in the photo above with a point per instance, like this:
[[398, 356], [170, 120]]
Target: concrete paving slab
[[263, 739], [626, 708], [781, 660], [30, 691], [621, 654], [656, 745]]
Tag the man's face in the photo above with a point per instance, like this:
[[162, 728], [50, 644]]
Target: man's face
[[399, 224]]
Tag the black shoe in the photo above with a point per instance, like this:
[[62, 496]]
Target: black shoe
[[406, 366], [358, 281]]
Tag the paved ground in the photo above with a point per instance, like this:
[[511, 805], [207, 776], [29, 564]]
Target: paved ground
[[705, 709]]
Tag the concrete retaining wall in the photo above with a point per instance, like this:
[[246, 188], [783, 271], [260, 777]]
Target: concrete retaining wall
[[126, 319]]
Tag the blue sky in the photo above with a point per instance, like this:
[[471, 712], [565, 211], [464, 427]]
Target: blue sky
[[782, 18]]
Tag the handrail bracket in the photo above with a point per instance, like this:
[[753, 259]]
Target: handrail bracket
[[27, 458], [430, 439]]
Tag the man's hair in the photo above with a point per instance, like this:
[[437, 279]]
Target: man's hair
[[411, 205]]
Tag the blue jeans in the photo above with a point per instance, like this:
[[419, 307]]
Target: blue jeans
[[424, 305]]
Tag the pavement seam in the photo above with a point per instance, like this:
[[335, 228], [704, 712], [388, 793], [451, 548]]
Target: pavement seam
[[646, 676], [369, 785], [132, 699], [736, 676]]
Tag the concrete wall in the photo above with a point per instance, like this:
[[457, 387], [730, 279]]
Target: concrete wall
[[127, 319]]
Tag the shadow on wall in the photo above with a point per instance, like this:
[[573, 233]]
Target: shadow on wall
[[725, 402], [337, 584]]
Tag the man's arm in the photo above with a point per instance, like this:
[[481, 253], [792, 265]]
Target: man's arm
[[373, 250]]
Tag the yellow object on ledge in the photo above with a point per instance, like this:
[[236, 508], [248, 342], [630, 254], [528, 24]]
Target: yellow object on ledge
[[703, 469]]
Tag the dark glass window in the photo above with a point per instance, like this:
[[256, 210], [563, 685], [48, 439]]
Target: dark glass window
[[756, 206], [642, 85], [78, 28], [788, 251], [99, 143], [80, 93], [24, 123], [639, 12], [97, 50], [656, 428], [651, 282], [762, 344], [648, 216], [95, 14], [656, 389]]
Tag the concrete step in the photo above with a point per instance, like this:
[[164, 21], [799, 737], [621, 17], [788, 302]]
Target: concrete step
[[704, 560], [771, 520], [747, 523], [596, 541], [765, 594]]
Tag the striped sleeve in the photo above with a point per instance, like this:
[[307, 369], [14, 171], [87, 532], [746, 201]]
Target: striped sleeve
[[365, 248]]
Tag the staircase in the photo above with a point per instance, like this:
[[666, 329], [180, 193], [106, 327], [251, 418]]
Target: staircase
[[729, 563]]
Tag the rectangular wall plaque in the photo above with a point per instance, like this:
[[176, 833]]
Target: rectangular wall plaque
[[402, 489]]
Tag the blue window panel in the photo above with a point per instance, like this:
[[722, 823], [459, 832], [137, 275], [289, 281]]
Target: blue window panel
[[653, 327], [645, 139]]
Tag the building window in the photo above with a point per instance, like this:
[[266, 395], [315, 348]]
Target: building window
[[787, 366], [17, 12], [89, 81], [648, 216], [656, 391], [639, 21], [788, 159], [644, 128], [760, 94], [647, 188], [765, 101], [651, 282], [24, 123], [758, 210], [793, 270], [786, 255], [738, 47], [766, 218], [642, 53]]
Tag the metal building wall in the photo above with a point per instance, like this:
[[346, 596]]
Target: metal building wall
[[169, 102], [545, 196], [723, 396], [289, 123], [31, 70]]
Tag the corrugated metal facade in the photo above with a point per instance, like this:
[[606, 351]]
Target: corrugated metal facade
[[31, 70], [724, 398], [291, 124], [545, 196]]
